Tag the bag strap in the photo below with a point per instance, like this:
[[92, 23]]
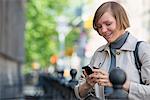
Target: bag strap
[[137, 60]]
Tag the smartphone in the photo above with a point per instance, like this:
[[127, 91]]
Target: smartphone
[[87, 69], [95, 67]]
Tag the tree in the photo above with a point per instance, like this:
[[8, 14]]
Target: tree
[[41, 37]]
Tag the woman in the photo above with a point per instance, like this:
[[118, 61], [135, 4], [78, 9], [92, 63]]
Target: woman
[[111, 22]]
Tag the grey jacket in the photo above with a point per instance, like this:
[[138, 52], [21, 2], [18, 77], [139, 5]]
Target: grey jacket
[[124, 60]]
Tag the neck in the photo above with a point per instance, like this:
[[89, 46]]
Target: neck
[[119, 41]]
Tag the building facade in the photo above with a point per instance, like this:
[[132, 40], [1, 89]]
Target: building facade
[[11, 48]]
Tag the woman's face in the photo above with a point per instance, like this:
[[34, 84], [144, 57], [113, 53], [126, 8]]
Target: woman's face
[[107, 27]]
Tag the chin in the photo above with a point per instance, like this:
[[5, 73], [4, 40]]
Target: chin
[[110, 41]]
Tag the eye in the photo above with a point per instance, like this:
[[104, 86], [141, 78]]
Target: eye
[[99, 26], [108, 24]]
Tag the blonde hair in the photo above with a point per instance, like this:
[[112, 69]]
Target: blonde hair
[[118, 12]]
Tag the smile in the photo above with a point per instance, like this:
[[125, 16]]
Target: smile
[[107, 36]]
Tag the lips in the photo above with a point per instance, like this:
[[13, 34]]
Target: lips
[[108, 35]]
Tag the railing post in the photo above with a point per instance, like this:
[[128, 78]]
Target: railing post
[[117, 77], [73, 81]]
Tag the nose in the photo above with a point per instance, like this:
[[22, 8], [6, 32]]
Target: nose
[[104, 29]]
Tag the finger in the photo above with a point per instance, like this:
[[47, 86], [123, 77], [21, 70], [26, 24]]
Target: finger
[[103, 81], [90, 81], [95, 76], [99, 76], [103, 72], [100, 71], [100, 80], [103, 76], [103, 84], [84, 72], [106, 84]]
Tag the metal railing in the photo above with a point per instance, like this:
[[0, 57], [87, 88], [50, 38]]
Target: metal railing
[[57, 88]]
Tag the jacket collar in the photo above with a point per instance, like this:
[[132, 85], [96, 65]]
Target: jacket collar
[[129, 45]]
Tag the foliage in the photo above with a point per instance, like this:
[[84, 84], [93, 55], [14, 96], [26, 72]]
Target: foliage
[[41, 37], [72, 38]]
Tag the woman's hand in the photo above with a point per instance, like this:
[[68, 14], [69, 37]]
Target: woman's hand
[[90, 80], [98, 76], [126, 86], [102, 77]]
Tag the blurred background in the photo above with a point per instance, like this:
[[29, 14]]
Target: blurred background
[[51, 37]]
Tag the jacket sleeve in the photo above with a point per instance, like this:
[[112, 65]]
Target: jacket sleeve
[[140, 91]]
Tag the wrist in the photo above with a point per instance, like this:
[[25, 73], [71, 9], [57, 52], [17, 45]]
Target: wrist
[[83, 89], [87, 85], [126, 86]]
